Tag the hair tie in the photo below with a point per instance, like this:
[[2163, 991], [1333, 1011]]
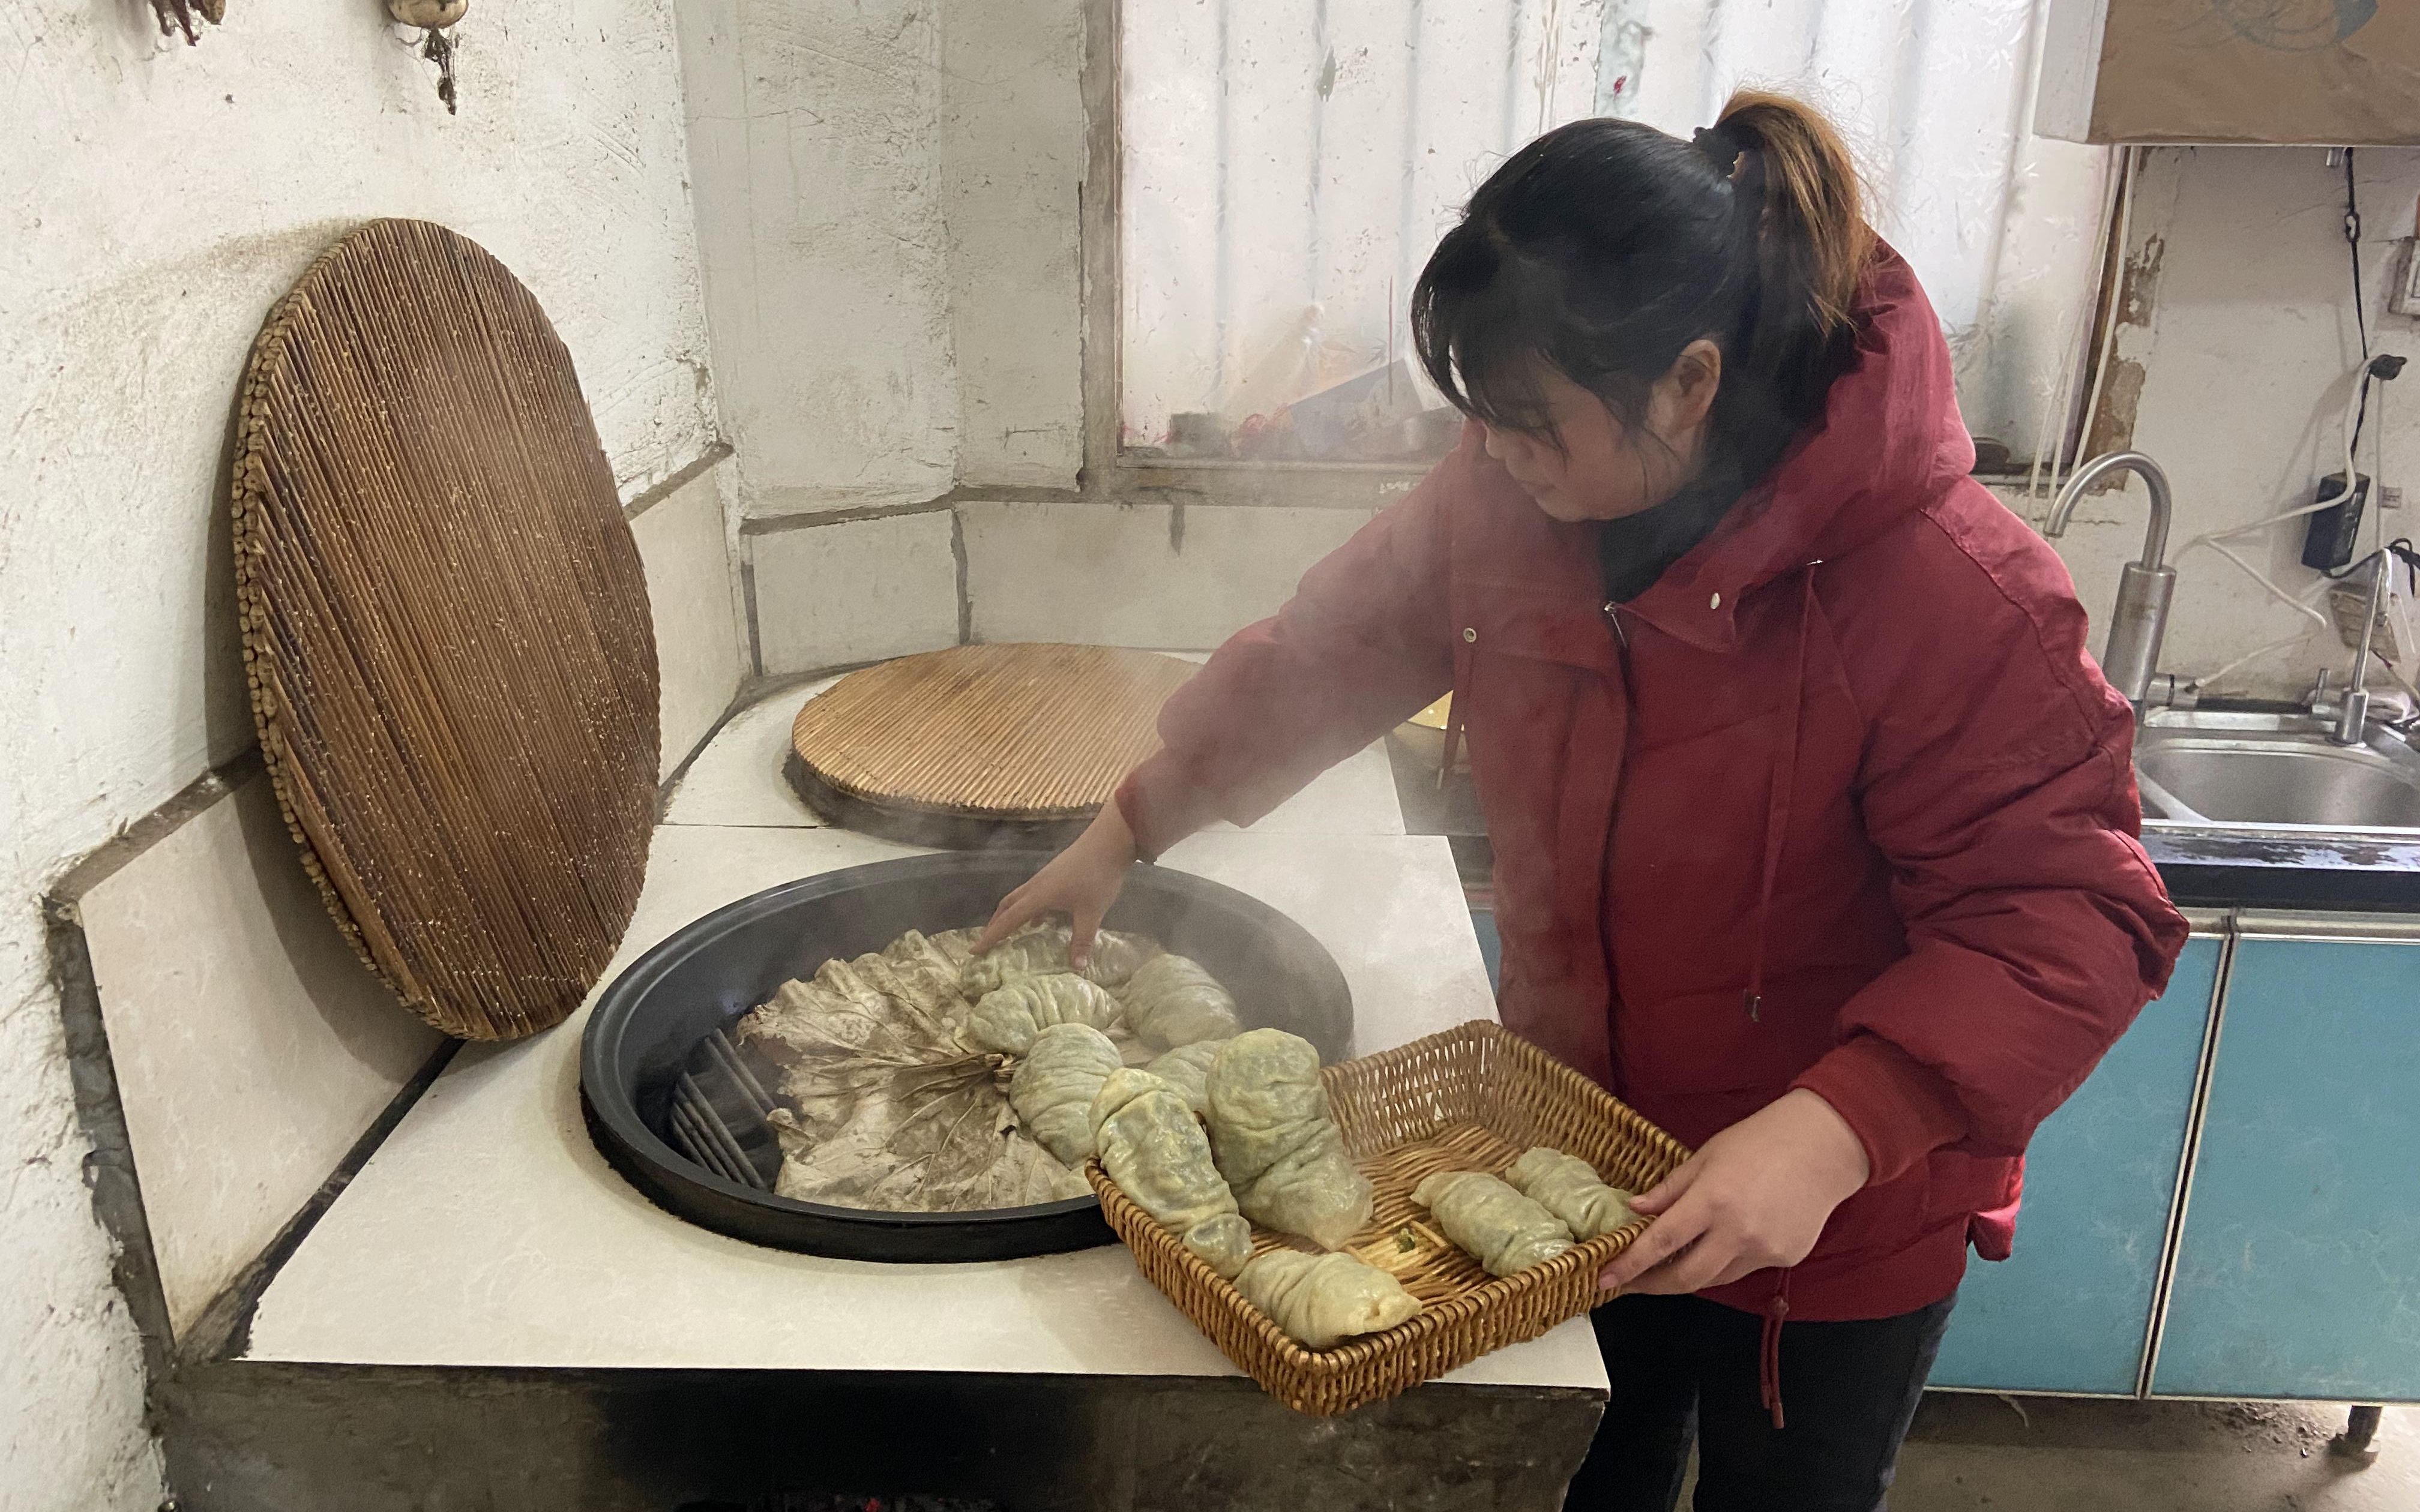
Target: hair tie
[[1721, 146]]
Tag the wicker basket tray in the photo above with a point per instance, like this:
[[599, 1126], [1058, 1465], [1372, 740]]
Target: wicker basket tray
[[1470, 1099]]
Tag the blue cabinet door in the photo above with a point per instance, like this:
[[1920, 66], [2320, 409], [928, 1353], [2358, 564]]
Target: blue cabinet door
[[2299, 1273], [2071, 1310]]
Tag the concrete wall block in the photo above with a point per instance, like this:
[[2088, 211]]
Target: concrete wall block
[[816, 156], [1013, 154], [1156, 576], [252, 1046], [855, 591], [699, 657]]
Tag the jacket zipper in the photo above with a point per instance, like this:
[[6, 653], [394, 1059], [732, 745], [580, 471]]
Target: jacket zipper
[[1612, 822]]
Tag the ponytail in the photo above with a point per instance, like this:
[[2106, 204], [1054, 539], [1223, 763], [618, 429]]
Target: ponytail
[[1815, 241], [1605, 247]]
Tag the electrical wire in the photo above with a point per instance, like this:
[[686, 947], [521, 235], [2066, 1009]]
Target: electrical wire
[[2047, 443], [2352, 242], [2126, 169]]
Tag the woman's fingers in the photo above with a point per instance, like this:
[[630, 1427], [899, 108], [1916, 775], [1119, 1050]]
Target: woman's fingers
[[1013, 910], [1694, 1269], [1663, 1193], [1664, 1239], [1080, 944]]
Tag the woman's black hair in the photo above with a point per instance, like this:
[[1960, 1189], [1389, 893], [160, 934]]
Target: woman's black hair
[[1604, 247]]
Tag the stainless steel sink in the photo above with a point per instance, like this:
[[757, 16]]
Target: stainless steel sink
[[2229, 769]]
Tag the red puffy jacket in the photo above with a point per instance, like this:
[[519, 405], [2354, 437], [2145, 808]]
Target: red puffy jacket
[[1839, 803]]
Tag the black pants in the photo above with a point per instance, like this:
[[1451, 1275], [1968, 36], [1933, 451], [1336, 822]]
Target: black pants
[[1685, 1368]]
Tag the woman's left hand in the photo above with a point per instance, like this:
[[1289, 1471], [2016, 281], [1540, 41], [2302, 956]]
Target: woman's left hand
[[1755, 1197]]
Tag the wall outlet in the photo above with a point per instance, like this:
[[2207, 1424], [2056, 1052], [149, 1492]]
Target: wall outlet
[[2390, 496]]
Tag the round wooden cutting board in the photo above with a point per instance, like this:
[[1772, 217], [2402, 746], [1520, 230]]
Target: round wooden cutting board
[[981, 746], [445, 629]]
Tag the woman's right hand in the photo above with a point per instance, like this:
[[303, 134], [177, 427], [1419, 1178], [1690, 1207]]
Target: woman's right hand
[[1080, 882]]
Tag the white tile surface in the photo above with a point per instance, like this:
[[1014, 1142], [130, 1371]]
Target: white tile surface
[[829, 595], [736, 779], [1356, 797], [699, 659], [488, 1231], [1124, 576], [251, 1047]]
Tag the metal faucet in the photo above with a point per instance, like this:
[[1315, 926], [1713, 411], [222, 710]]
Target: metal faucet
[[2352, 714], [2139, 621]]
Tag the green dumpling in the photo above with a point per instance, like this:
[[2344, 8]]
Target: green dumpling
[[1152, 1147], [1055, 1083], [1171, 1001], [1320, 1301], [1568, 1187], [1188, 1068], [1006, 1019], [1276, 1143], [1504, 1231]]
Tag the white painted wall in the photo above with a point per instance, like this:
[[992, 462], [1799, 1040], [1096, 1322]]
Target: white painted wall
[[1013, 150], [816, 134], [2246, 363], [157, 199]]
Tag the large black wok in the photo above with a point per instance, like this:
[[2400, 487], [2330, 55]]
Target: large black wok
[[669, 1004]]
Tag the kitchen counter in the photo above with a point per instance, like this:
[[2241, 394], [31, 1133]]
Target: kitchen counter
[[488, 1231], [485, 1259], [2214, 869]]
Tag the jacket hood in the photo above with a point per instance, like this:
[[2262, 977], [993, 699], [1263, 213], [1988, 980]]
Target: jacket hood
[[1891, 440]]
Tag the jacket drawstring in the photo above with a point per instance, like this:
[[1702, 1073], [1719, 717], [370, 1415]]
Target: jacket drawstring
[[1777, 818], [1768, 1359], [1453, 713]]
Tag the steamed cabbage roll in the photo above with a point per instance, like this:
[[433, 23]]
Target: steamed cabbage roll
[[1152, 1147], [1504, 1231], [1006, 1019], [1321, 1300], [1188, 1068], [1040, 949], [1055, 1083], [1276, 1144], [1568, 1187], [1171, 1001]]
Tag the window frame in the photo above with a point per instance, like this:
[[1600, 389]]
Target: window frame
[[1109, 471]]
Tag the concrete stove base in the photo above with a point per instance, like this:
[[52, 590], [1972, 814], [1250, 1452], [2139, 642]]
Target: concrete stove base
[[248, 1436]]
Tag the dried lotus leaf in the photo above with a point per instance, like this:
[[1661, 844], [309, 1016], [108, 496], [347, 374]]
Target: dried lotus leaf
[[889, 1110]]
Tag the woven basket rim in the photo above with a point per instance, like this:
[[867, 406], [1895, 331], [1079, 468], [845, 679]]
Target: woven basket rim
[[1323, 1380]]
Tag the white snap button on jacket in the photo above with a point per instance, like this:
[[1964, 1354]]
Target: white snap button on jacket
[[1470, 633], [1715, 602]]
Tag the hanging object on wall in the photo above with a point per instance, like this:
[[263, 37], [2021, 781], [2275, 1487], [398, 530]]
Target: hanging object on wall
[[445, 627], [435, 19], [179, 15]]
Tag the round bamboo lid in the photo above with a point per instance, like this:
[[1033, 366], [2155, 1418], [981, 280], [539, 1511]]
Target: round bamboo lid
[[445, 629], [981, 745]]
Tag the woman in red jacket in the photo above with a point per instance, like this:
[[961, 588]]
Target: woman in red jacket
[[1814, 823]]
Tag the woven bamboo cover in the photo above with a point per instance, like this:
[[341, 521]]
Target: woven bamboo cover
[[1472, 1098], [1012, 732], [445, 629]]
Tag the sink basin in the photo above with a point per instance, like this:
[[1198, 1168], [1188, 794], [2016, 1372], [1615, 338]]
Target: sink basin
[[2210, 768]]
